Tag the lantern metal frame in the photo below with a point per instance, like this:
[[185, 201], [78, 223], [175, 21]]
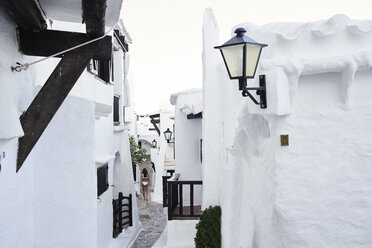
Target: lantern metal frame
[[154, 143], [242, 39], [170, 138]]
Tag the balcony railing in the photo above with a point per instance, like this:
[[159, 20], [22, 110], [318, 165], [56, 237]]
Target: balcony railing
[[165, 191], [122, 213], [173, 198]]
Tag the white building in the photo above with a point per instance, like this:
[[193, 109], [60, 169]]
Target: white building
[[316, 191], [182, 195], [188, 141], [63, 192]]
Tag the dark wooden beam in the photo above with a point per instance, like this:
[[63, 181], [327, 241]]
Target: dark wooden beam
[[154, 116], [155, 121], [156, 128], [51, 96], [196, 116], [25, 13], [48, 42], [94, 13]]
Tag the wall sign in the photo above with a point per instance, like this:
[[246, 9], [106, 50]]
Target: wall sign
[[284, 140]]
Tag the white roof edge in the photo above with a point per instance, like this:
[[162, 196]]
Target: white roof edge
[[173, 97], [325, 27]]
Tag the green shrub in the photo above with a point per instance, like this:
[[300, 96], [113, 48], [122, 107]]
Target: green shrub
[[208, 233]]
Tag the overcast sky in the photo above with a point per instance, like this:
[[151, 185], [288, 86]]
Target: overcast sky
[[167, 36]]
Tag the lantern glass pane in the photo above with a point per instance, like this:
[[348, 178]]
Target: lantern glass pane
[[234, 59], [252, 56], [168, 135]]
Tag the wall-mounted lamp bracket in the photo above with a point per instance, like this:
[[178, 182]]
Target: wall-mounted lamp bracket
[[260, 91]]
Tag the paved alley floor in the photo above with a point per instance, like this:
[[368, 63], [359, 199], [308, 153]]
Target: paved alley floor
[[153, 221]]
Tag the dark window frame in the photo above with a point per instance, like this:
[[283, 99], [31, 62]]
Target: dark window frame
[[116, 110], [102, 69], [102, 179]]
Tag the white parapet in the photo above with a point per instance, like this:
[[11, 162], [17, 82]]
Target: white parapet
[[180, 234]]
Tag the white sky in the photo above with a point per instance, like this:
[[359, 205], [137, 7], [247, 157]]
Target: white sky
[[167, 36]]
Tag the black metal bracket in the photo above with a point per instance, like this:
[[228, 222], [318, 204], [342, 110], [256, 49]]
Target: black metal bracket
[[260, 91]]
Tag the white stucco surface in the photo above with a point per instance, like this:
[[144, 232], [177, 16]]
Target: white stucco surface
[[181, 233], [15, 188], [71, 10], [57, 166], [314, 192], [213, 102], [15, 89]]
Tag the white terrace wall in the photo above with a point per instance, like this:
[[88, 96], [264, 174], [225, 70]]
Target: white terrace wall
[[316, 191]]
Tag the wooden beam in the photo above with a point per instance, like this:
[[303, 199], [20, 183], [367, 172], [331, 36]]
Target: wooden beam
[[48, 42], [94, 13], [156, 128], [196, 116], [25, 13], [154, 116], [51, 96], [154, 121]]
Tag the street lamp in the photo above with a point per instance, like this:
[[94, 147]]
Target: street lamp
[[154, 143], [168, 135], [241, 55]]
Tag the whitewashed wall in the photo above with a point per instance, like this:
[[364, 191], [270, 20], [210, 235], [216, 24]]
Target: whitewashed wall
[[212, 103], [15, 188], [315, 192], [65, 179]]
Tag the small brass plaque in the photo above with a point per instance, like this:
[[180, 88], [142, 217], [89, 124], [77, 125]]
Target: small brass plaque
[[284, 140]]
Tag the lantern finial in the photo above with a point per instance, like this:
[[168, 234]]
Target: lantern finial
[[240, 31]]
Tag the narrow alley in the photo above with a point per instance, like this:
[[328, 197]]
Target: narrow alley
[[153, 222]]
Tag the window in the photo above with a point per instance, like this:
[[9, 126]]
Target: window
[[102, 179], [116, 110], [104, 70], [101, 68]]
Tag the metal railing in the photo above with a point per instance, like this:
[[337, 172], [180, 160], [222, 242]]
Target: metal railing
[[165, 191], [122, 213], [175, 199]]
